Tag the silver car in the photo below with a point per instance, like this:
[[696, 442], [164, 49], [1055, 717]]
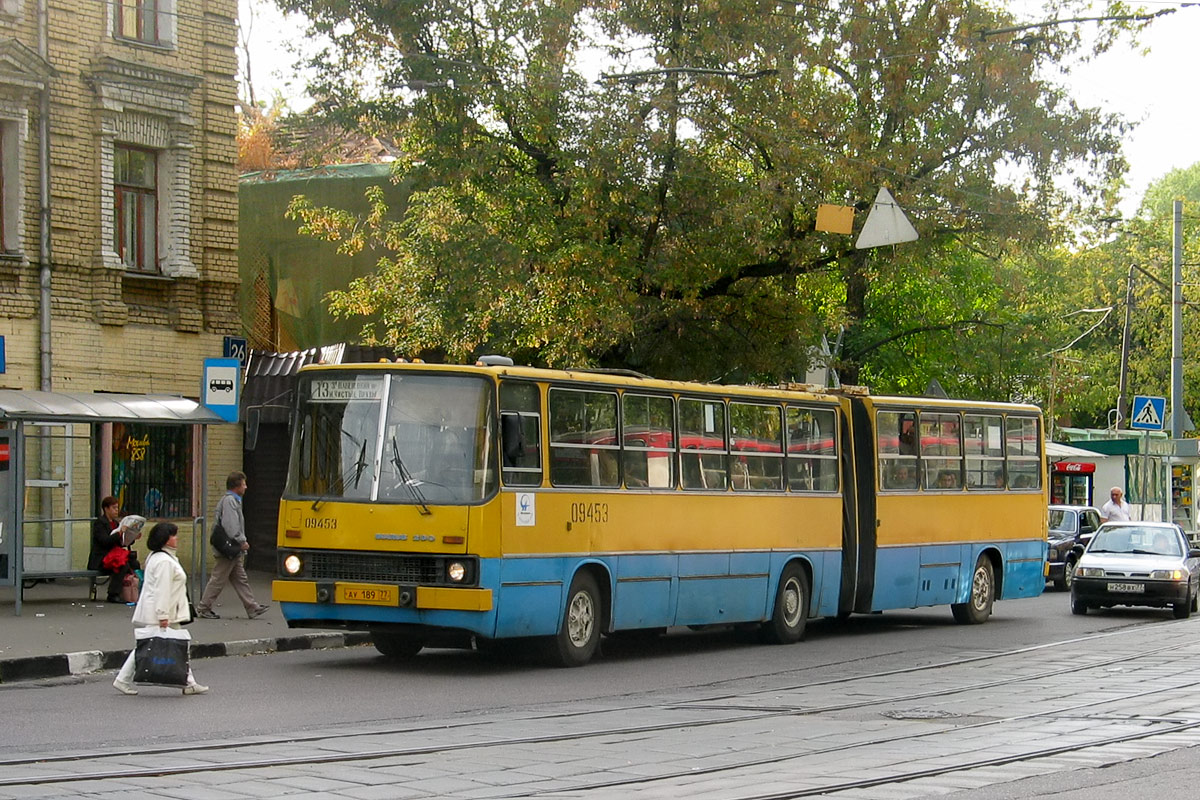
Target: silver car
[[1137, 564]]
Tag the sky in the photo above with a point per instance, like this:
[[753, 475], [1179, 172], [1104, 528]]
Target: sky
[[1155, 89]]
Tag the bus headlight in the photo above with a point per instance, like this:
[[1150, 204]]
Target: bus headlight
[[455, 571], [1091, 572], [292, 564], [1168, 575]]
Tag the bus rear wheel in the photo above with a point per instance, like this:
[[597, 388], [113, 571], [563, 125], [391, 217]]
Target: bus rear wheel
[[791, 608], [396, 645], [983, 593], [579, 634]]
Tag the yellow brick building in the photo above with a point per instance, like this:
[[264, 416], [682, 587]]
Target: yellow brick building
[[118, 221]]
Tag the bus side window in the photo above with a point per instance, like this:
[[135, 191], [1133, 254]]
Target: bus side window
[[520, 433], [584, 448], [811, 449], [703, 445]]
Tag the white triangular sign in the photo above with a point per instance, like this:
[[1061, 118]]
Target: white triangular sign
[[886, 224]]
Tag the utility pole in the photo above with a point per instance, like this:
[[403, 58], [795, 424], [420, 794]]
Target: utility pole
[[1177, 412], [1123, 388]]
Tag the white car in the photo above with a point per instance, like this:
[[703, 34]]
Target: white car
[[1137, 564]]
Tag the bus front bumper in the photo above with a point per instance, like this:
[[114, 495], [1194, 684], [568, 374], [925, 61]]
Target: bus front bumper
[[381, 595]]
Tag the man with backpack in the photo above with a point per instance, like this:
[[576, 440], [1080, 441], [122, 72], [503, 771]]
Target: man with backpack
[[231, 519]]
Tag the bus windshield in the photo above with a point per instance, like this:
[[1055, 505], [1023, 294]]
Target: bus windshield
[[418, 439]]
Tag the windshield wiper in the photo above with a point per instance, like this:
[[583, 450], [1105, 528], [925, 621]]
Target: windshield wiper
[[361, 464], [408, 480]]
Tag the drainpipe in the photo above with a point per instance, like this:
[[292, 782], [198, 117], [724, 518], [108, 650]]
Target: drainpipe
[[47, 383]]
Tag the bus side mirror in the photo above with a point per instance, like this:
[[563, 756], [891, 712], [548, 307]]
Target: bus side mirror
[[250, 436], [512, 438]]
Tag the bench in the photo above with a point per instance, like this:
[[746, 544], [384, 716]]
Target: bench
[[95, 578]]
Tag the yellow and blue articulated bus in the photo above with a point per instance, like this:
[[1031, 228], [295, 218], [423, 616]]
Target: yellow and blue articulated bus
[[458, 505]]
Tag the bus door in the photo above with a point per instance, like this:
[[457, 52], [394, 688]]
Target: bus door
[[858, 509]]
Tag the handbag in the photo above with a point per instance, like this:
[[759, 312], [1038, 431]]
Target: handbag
[[223, 543], [191, 611], [130, 589], [160, 656]]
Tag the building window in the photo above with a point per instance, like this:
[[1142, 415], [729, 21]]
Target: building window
[[135, 190], [143, 20], [152, 469], [12, 134], [4, 183]]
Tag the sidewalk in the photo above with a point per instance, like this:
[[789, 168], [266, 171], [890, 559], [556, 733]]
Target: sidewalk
[[60, 632]]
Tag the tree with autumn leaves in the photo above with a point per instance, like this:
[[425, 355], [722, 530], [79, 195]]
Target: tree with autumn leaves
[[635, 184]]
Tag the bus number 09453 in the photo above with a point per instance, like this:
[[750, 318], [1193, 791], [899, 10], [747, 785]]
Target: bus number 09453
[[589, 512]]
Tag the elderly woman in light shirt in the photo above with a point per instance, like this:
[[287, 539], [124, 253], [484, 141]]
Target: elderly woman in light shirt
[[163, 601]]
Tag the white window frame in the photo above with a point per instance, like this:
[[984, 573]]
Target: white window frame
[[150, 108], [14, 132]]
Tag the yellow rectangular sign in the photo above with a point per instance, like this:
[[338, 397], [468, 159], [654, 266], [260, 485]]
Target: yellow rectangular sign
[[367, 594]]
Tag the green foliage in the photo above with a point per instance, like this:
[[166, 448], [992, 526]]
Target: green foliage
[[1098, 276], [660, 216]]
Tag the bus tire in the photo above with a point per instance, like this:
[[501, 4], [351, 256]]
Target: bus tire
[[579, 634], [983, 593], [790, 616], [396, 646]]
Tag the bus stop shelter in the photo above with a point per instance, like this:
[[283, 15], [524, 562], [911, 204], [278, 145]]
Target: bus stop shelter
[[48, 449]]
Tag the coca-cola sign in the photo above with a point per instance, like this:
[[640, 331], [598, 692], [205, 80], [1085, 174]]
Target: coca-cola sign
[[1074, 466]]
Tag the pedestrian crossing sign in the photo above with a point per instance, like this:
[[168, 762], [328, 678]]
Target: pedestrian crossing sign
[[1148, 413]]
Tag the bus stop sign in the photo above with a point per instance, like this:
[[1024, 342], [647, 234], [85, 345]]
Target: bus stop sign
[[221, 389]]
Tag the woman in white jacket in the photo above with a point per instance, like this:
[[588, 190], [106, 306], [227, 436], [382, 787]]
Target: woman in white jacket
[[163, 601]]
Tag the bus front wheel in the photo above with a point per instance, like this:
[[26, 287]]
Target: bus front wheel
[[983, 593], [395, 645], [791, 608], [579, 634]]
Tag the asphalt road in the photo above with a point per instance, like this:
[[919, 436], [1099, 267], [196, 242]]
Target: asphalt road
[[355, 688]]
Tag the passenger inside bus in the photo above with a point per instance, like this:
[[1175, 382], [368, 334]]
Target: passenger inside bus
[[908, 437], [946, 479], [902, 476]]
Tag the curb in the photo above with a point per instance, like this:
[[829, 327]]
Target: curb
[[14, 670]]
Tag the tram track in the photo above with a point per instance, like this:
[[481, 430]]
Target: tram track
[[258, 742], [743, 714], [978, 763]]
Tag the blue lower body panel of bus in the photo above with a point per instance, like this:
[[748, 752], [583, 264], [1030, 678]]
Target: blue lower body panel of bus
[[527, 596], [940, 574]]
